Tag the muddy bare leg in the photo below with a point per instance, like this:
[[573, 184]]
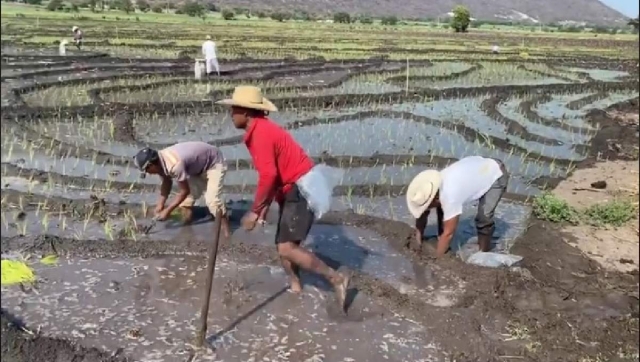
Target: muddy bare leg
[[292, 252], [293, 271]]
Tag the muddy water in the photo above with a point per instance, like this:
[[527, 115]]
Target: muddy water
[[367, 252], [149, 309], [511, 217], [340, 246], [603, 75], [510, 109], [381, 175], [392, 136], [556, 109]]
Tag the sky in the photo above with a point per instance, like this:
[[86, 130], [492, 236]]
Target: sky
[[627, 7]]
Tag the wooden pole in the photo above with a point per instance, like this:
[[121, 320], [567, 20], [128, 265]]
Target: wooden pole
[[406, 86], [211, 268]]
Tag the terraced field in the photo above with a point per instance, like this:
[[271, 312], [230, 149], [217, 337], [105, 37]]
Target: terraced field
[[70, 126]]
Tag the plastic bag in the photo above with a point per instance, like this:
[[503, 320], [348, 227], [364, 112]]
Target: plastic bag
[[317, 187], [493, 260]]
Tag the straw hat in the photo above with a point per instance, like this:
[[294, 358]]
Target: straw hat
[[422, 190], [74, 28], [249, 97], [208, 37]]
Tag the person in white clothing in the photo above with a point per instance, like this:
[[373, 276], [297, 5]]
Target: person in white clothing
[[469, 179], [210, 57]]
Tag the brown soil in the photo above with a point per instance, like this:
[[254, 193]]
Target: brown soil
[[21, 345]]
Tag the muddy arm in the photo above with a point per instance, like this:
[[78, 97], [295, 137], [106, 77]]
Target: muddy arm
[[444, 240], [421, 224]]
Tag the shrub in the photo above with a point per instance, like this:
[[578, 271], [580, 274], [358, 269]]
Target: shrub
[[228, 14], [54, 5], [212, 7], [365, 19], [261, 14], [193, 8], [549, 207], [157, 8], [278, 16], [461, 19], [143, 5], [389, 20], [341, 18], [34, 2], [301, 15], [614, 213]]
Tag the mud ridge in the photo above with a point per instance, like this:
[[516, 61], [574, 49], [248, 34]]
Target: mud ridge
[[526, 107], [21, 346], [545, 74], [319, 102], [579, 103], [490, 107], [402, 79]]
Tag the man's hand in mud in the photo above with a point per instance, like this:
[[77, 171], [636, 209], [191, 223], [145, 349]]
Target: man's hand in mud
[[249, 220], [158, 209], [163, 215]]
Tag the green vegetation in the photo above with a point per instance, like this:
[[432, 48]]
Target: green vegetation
[[461, 19], [615, 213], [551, 208]]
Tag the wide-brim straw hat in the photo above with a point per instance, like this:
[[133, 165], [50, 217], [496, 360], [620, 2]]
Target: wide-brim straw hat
[[249, 97], [74, 28], [422, 190]]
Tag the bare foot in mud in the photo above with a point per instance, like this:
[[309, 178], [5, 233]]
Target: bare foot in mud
[[340, 285]]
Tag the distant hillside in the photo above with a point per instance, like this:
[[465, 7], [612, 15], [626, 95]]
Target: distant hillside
[[544, 11]]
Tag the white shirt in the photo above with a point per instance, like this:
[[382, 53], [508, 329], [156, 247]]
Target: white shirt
[[209, 49], [465, 181]]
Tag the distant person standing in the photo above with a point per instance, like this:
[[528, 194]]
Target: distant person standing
[[210, 57], [77, 37]]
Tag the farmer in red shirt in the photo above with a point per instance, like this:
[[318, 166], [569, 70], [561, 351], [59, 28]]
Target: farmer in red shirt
[[280, 162]]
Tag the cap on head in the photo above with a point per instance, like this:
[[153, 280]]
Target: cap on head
[[422, 190], [74, 28], [144, 157]]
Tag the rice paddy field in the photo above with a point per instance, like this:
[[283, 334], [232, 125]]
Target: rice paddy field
[[381, 104]]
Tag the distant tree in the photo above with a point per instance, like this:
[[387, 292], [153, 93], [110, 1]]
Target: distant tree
[[366, 19], [193, 8], [143, 5], [33, 2], [212, 7], [389, 20], [157, 8], [634, 23], [54, 5], [124, 5], [74, 8], [261, 14], [461, 19], [341, 18], [278, 16], [301, 15], [228, 14]]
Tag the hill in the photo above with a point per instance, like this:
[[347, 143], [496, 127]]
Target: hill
[[533, 11]]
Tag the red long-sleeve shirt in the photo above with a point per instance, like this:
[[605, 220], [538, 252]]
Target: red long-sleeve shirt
[[278, 158]]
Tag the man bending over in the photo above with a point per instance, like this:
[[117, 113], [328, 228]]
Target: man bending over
[[198, 168]]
